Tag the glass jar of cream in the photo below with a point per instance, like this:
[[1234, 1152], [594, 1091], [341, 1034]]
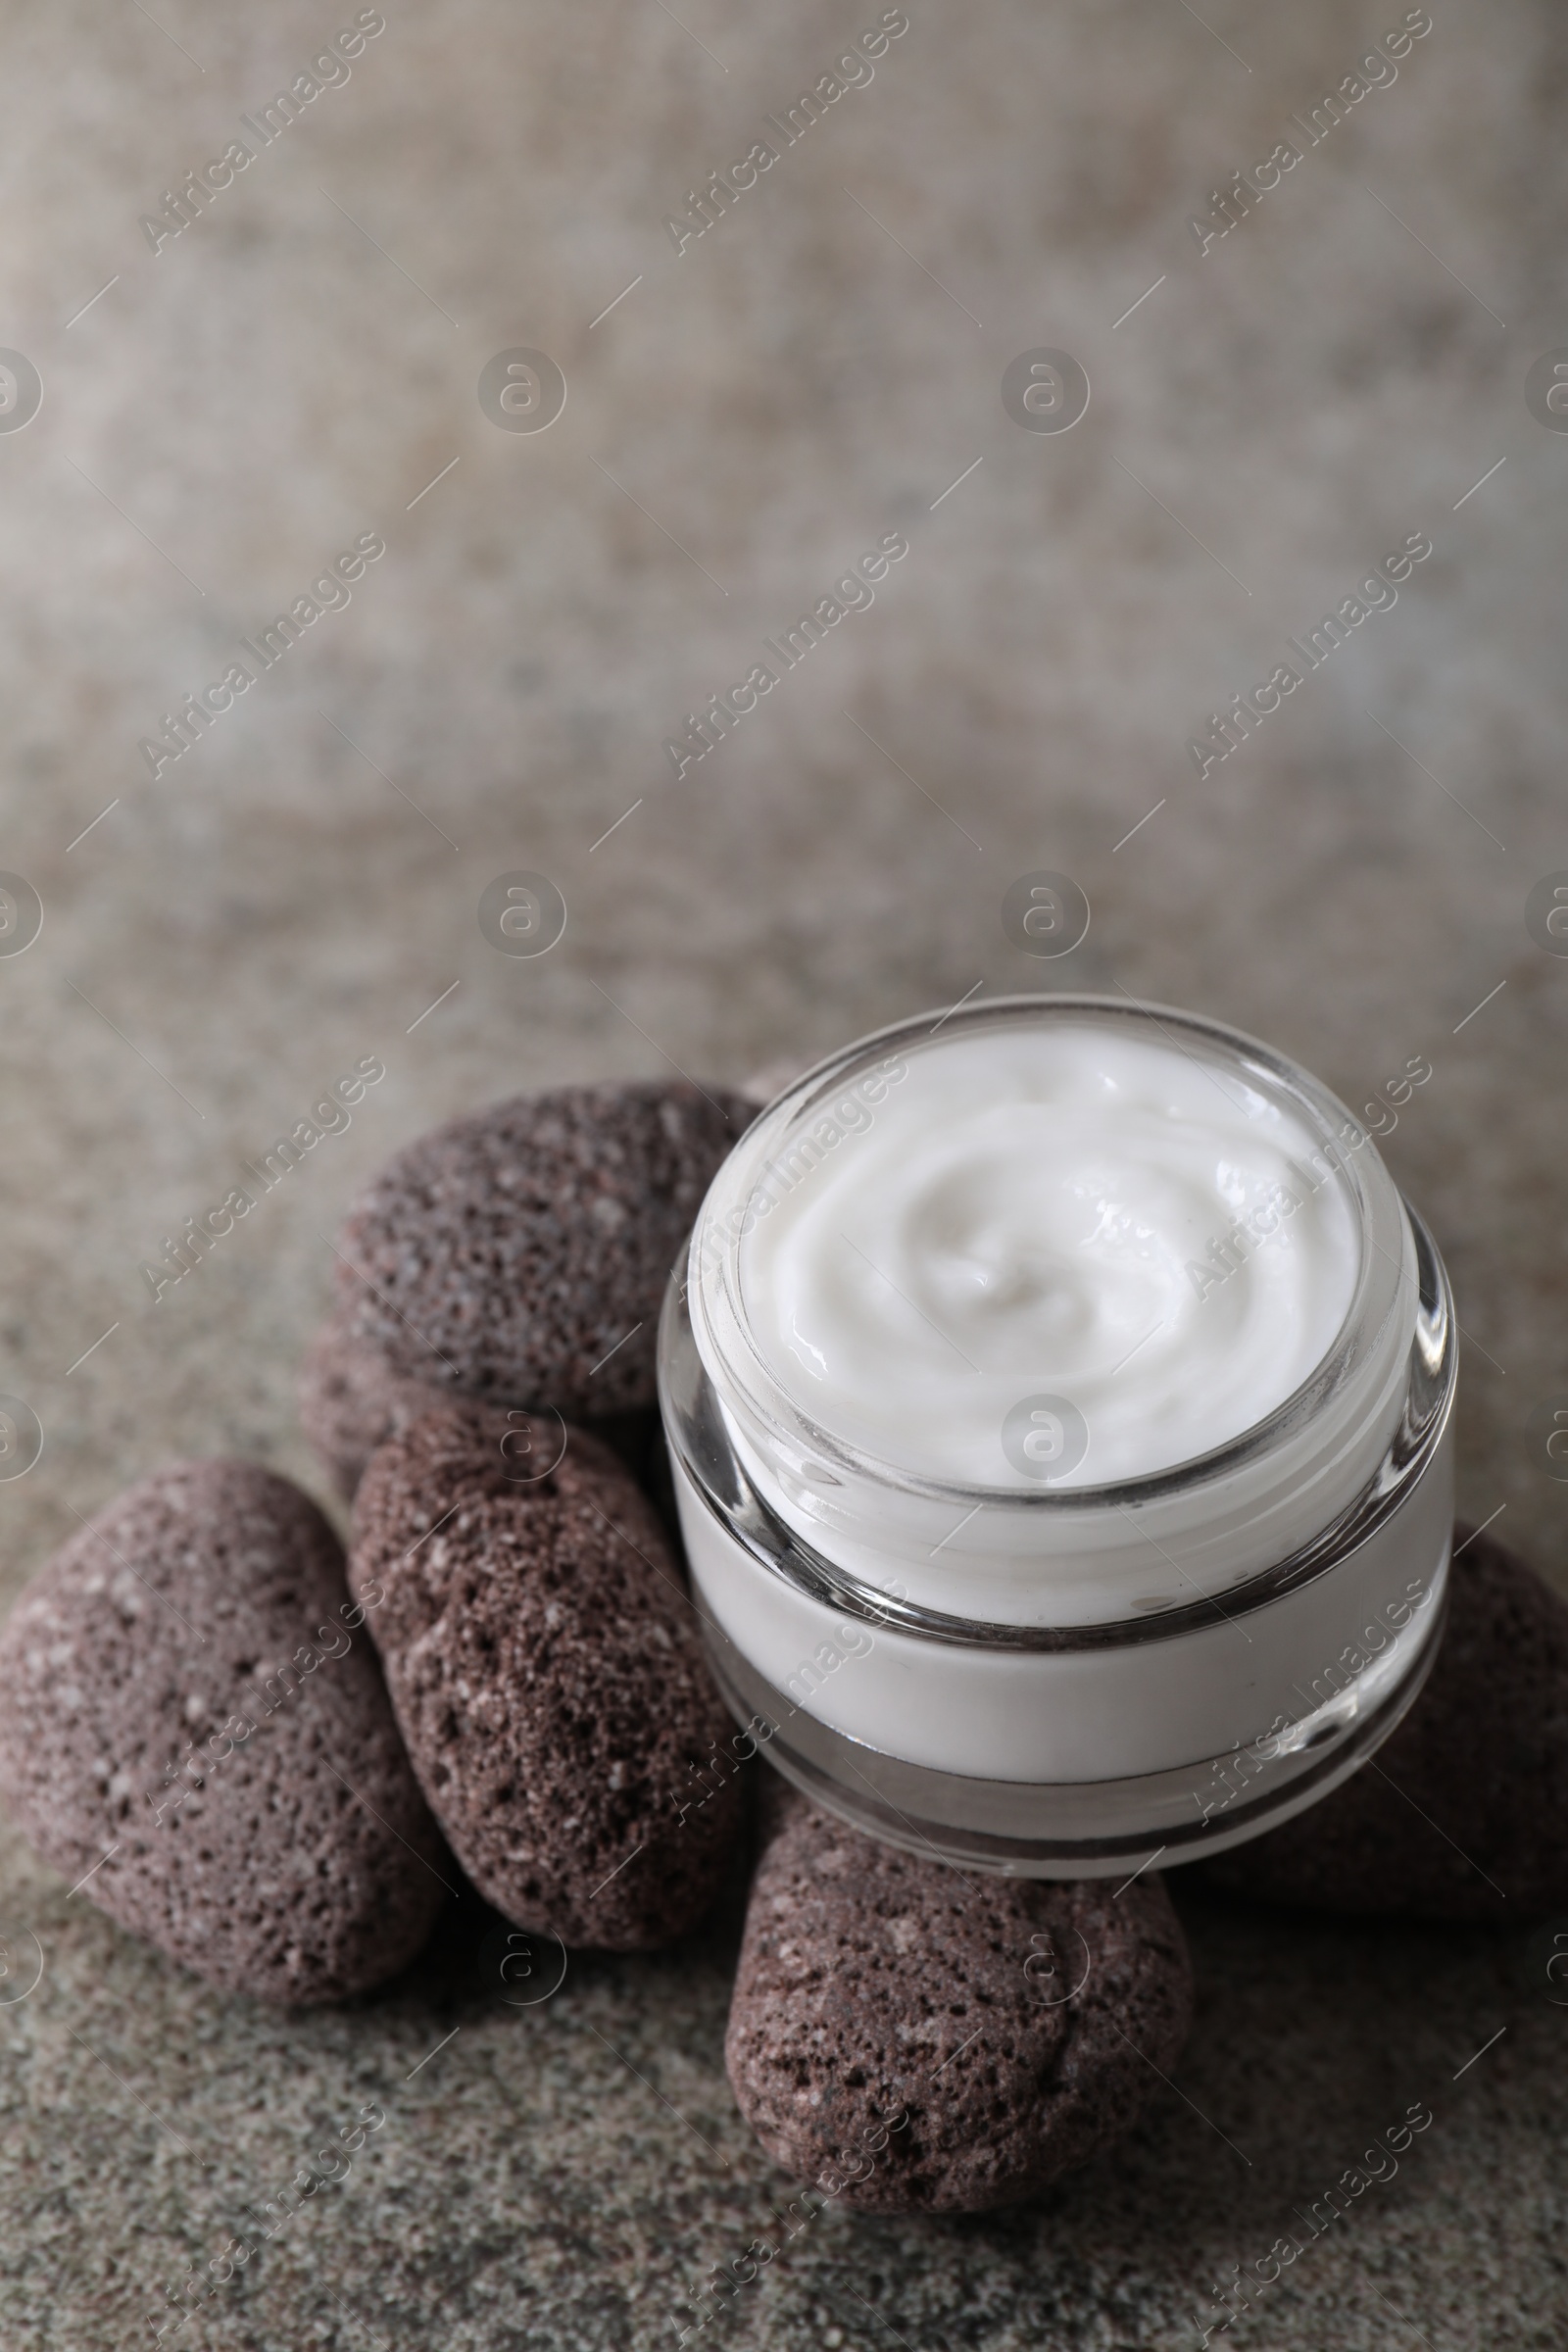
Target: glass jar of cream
[[1058, 1394]]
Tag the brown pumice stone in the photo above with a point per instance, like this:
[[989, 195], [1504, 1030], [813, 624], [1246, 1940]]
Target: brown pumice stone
[[1462, 1814], [522, 1251], [351, 1400], [287, 1854], [548, 1677], [918, 2040]]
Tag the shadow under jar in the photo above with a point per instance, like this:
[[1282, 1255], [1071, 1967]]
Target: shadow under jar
[[1059, 1400]]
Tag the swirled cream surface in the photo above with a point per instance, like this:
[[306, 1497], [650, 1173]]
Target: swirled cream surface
[[1027, 1218]]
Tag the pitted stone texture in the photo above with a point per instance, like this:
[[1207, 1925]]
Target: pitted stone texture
[[295, 1859], [522, 1251], [1463, 1812], [549, 1677], [351, 1400], [1016, 2023]]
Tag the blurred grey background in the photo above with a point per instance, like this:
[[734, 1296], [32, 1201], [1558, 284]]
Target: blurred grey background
[[300, 366]]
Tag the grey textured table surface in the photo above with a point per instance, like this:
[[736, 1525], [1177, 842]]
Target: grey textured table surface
[[299, 365]]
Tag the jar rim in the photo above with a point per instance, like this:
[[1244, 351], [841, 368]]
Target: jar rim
[[730, 1351]]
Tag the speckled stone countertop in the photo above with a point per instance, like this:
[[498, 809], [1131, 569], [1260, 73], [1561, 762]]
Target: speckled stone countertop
[[1268, 416]]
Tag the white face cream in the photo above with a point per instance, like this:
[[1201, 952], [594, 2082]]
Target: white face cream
[[1039, 1211], [1057, 1398]]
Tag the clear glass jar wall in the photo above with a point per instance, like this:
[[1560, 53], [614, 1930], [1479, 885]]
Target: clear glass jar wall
[[1025, 1670]]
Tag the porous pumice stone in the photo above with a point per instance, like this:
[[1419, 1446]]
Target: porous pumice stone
[[1462, 1814], [351, 1401], [548, 1677], [522, 1251], [292, 1856], [1015, 2024]]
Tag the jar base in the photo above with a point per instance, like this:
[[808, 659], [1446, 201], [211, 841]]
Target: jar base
[[1072, 1830]]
